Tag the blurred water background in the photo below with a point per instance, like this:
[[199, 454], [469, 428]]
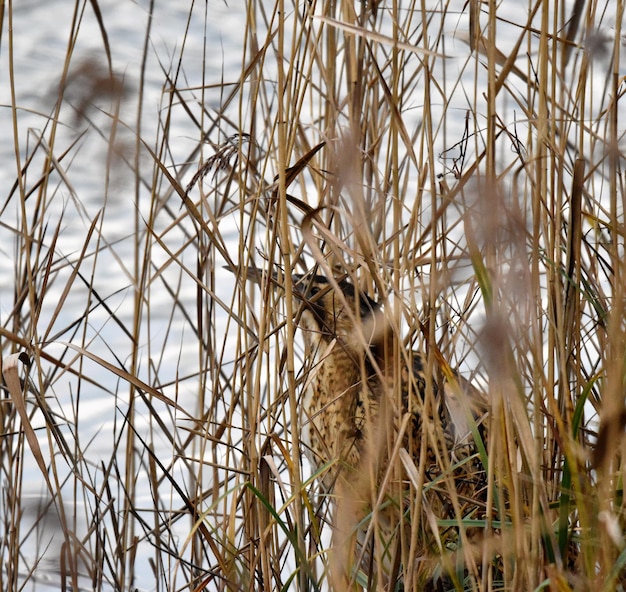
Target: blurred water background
[[194, 44], [199, 47]]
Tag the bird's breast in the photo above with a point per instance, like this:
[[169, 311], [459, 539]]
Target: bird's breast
[[334, 407]]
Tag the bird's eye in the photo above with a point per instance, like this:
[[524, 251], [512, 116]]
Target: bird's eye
[[314, 290]]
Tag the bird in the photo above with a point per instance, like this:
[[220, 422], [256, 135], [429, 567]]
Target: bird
[[364, 397]]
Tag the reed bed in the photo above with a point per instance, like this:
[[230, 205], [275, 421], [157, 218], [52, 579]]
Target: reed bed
[[461, 162]]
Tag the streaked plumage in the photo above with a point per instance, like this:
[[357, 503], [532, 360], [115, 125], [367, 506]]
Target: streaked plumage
[[353, 409]]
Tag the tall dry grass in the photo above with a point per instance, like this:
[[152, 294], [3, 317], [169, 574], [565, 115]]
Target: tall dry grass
[[461, 161]]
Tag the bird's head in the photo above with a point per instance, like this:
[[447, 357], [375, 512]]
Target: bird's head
[[333, 309]]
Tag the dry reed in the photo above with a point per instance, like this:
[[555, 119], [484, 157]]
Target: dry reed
[[463, 162]]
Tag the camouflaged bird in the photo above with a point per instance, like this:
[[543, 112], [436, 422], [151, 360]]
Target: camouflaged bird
[[353, 408]]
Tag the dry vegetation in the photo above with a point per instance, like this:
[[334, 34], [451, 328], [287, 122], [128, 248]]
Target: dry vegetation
[[464, 161]]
